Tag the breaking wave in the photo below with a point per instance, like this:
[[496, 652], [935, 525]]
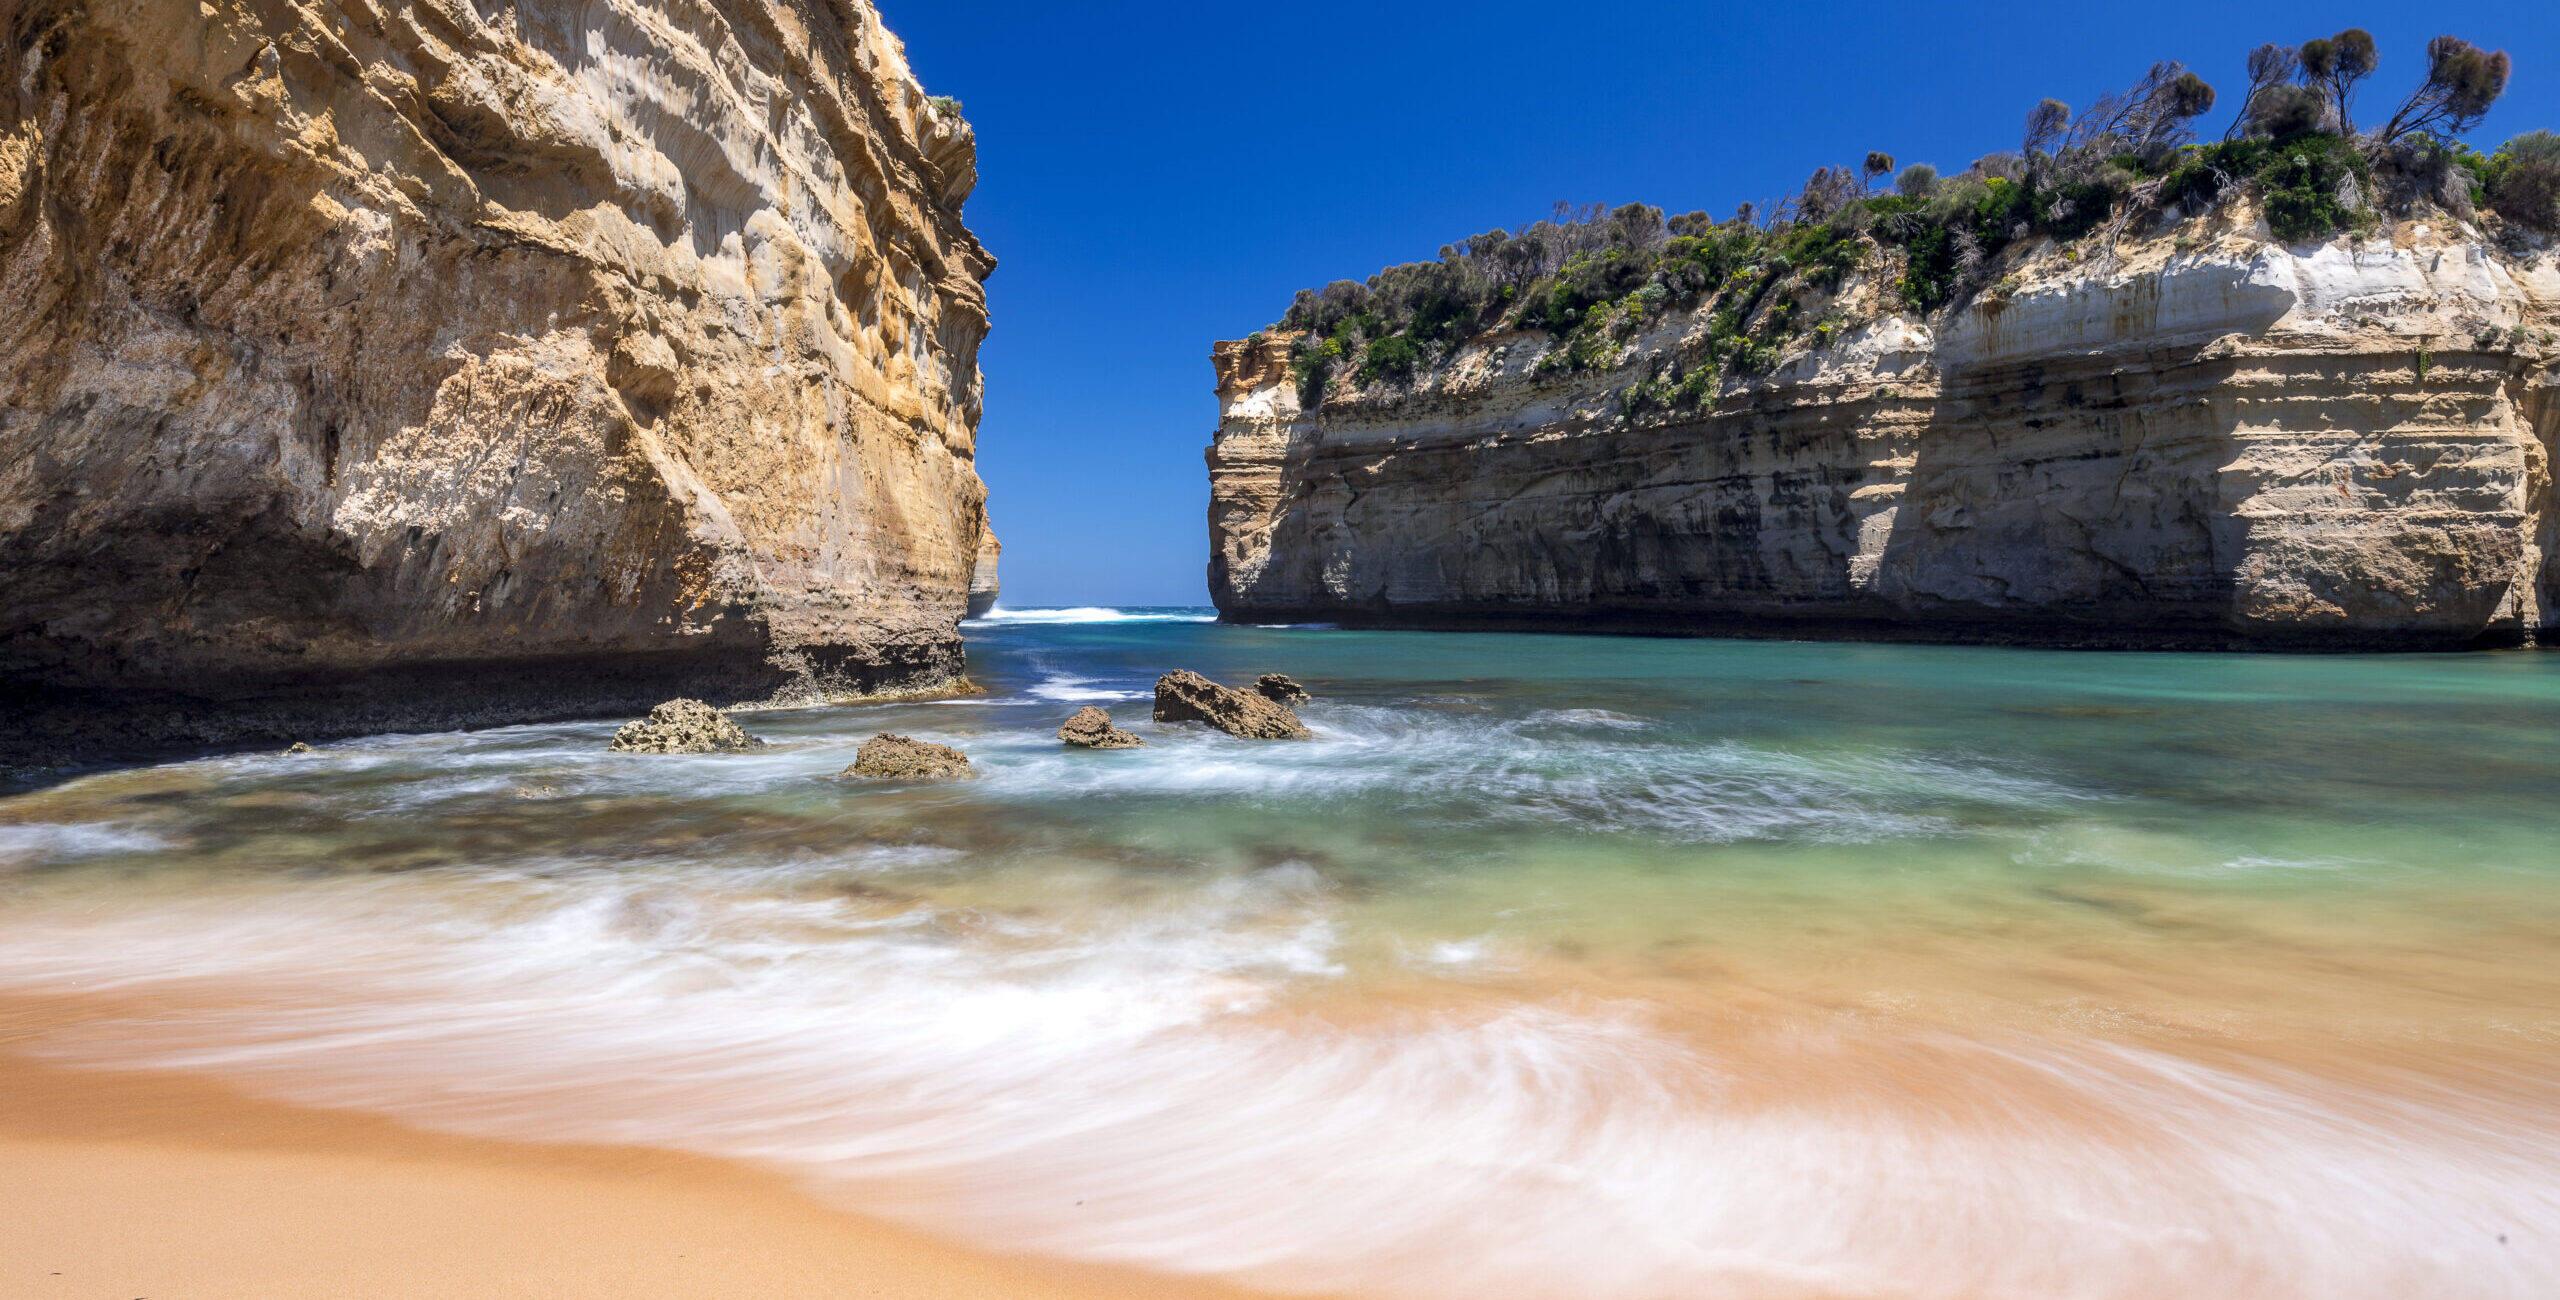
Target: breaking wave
[[1098, 614]]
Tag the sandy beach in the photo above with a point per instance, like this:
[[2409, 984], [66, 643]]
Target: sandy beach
[[1646, 970], [129, 1184]]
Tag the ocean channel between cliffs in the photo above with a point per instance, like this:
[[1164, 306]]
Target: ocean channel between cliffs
[[1552, 966]]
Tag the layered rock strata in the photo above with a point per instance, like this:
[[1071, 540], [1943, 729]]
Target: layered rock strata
[[2213, 440], [983, 587], [417, 365]]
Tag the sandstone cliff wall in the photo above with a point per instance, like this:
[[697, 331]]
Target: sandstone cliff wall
[[2217, 440], [411, 364], [983, 587]]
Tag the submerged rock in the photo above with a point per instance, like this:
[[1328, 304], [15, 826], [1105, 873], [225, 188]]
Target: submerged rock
[[897, 757], [1280, 688], [1183, 696], [297, 747], [1091, 728], [682, 727]]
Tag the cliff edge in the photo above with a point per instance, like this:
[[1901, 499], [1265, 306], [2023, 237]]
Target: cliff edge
[[2182, 431], [424, 365]]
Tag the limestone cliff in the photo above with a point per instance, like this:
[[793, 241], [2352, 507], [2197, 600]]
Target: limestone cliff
[[983, 587], [2214, 439], [436, 363]]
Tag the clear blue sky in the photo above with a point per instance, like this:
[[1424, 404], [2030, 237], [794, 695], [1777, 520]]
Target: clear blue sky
[[1158, 176]]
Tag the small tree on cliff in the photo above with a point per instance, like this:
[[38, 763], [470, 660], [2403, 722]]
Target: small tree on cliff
[[2270, 66], [2463, 80], [2289, 110], [2335, 65], [1877, 164], [2524, 181], [2146, 117], [1827, 191], [2047, 124], [1323, 313]]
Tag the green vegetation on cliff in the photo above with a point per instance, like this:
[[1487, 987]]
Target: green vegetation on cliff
[[1595, 278]]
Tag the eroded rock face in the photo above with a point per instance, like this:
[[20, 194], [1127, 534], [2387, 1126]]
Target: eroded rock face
[[1092, 729], [2216, 441], [983, 587], [1185, 696], [423, 365], [682, 727], [893, 757], [1279, 688]]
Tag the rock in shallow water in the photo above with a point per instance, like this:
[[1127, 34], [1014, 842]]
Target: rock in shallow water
[[897, 757], [1091, 728], [1280, 688], [682, 727], [1183, 696]]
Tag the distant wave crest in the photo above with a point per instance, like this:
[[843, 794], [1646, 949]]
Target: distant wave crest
[[1100, 614]]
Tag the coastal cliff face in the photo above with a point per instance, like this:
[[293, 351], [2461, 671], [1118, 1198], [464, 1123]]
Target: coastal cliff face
[[429, 364], [983, 587], [2215, 440]]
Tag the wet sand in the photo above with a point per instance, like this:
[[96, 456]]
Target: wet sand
[[123, 1184], [1761, 973]]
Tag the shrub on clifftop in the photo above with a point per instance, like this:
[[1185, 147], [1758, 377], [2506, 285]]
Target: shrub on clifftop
[[1594, 278], [2523, 181], [1393, 357]]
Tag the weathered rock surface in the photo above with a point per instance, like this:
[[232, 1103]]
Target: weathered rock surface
[[682, 727], [1184, 696], [2217, 440], [430, 365], [896, 757], [983, 587], [1091, 728], [1279, 688]]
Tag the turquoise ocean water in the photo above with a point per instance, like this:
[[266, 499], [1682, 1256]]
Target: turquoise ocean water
[[1554, 966]]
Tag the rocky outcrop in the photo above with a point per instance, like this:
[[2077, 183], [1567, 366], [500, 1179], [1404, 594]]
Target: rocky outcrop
[[682, 727], [892, 757], [1091, 728], [1279, 688], [2206, 438], [422, 365], [983, 588], [1184, 696]]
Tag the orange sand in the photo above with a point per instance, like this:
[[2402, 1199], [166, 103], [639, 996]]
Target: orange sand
[[117, 1185]]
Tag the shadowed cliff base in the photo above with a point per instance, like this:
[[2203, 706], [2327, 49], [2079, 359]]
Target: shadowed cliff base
[[53, 725], [409, 369], [2043, 629]]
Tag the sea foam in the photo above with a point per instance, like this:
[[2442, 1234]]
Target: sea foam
[[1160, 1085], [1093, 614]]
